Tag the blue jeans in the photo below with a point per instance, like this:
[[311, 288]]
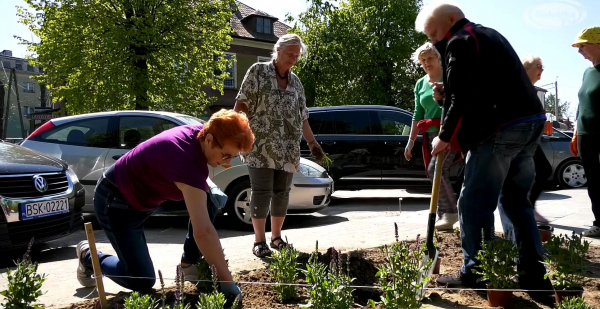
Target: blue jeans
[[123, 225], [500, 172]]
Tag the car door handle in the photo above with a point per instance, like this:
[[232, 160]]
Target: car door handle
[[116, 157], [328, 143]]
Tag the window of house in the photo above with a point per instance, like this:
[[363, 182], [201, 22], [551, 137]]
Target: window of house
[[263, 59], [30, 68], [230, 82], [6, 64], [264, 25], [29, 87], [19, 66], [41, 69]]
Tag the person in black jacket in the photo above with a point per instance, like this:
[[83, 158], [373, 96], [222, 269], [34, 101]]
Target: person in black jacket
[[497, 132]]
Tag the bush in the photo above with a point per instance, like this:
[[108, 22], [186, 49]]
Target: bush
[[284, 269], [565, 261], [329, 286], [24, 284]]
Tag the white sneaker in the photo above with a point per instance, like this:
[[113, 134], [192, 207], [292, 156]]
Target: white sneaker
[[84, 274], [190, 273], [594, 231], [446, 222]]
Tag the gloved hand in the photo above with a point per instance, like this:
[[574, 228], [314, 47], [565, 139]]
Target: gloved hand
[[218, 197], [408, 149], [573, 145], [232, 293]]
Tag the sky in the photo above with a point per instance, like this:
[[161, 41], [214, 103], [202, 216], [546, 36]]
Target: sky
[[544, 28]]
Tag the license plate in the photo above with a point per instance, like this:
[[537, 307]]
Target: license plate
[[44, 209]]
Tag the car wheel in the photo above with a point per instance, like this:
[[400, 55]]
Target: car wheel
[[238, 205], [571, 175]]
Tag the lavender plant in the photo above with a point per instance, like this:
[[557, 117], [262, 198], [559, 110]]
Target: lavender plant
[[215, 299], [24, 284], [179, 295], [330, 286], [284, 269], [401, 275]]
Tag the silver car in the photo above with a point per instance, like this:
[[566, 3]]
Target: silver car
[[567, 170], [90, 143]]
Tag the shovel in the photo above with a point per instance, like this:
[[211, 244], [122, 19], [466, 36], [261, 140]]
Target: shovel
[[432, 252]]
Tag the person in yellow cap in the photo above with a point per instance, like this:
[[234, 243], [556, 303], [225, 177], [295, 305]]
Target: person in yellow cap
[[586, 139]]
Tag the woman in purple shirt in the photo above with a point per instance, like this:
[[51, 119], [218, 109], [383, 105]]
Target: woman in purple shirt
[[172, 165]]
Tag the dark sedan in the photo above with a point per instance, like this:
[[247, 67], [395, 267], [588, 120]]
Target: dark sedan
[[366, 144], [40, 197]]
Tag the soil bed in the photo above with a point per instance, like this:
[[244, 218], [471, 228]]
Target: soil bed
[[363, 267]]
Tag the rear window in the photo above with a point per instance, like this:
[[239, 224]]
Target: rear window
[[89, 133]]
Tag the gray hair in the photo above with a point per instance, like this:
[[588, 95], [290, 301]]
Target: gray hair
[[529, 60], [425, 48], [287, 40], [436, 9]]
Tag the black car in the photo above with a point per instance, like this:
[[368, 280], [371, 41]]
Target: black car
[[366, 144], [40, 197]]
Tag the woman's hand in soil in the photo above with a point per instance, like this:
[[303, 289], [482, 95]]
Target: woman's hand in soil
[[232, 294]]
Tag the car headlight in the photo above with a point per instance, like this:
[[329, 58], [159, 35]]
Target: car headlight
[[311, 172], [72, 175]]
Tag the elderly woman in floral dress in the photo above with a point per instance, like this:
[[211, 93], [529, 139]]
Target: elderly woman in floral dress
[[273, 99]]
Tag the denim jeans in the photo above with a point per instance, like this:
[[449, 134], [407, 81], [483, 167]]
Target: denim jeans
[[123, 225], [500, 173]]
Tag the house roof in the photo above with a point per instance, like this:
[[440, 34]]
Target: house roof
[[242, 29]]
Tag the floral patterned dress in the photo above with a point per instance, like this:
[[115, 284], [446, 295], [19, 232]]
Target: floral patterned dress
[[276, 116]]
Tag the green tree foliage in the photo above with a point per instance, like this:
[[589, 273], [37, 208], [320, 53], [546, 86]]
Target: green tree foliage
[[125, 54], [550, 106], [359, 52]]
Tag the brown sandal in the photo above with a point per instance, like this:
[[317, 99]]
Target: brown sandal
[[261, 249], [278, 245]]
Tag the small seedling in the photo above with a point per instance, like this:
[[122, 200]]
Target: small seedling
[[284, 269], [24, 284], [573, 303], [139, 301]]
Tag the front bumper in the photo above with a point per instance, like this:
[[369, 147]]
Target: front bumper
[[310, 194]]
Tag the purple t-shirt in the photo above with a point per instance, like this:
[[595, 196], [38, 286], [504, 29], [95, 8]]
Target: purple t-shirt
[[146, 175]]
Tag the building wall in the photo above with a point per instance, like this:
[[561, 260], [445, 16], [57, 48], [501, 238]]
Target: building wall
[[247, 52], [28, 89]]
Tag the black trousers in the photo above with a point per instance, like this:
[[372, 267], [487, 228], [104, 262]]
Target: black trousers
[[589, 152]]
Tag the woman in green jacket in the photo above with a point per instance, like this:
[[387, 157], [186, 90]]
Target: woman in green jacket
[[427, 119]]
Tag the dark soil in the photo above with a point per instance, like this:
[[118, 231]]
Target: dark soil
[[363, 267]]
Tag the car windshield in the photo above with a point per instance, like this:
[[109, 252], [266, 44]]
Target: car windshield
[[191, 120]]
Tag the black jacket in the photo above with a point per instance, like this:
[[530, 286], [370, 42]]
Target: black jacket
[[485, 83]]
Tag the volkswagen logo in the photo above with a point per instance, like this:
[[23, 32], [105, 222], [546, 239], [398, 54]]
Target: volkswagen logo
[[40, 183]]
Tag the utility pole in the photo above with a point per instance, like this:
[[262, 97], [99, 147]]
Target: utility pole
[[556, 98]]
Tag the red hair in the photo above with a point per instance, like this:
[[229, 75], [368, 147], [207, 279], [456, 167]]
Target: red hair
[[229, 126]]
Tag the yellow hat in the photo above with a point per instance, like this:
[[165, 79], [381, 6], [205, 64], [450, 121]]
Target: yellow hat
[[588, 35]]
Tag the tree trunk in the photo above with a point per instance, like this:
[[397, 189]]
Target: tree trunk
[[2, 112]]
